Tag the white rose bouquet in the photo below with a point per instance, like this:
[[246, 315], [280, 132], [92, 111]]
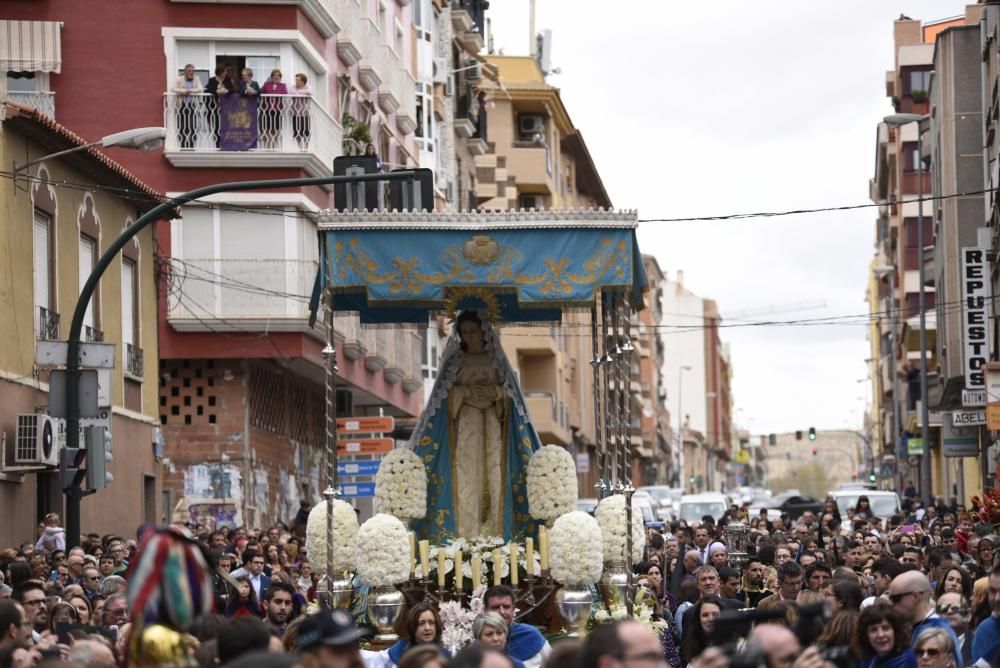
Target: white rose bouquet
[[610, 516], [383, 551], [575, 549], [345, 532], [457, 621], [401, 485], [552, 489], [642, 612]]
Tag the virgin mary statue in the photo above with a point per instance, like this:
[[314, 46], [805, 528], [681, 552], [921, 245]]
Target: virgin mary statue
[[475, 438]]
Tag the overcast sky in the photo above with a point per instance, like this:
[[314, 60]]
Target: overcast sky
[[692, 109]]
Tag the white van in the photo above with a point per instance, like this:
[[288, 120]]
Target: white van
[[695, 506], [884, 503]]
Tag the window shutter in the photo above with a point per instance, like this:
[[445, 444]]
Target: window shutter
[[86, 265], [40, 244], [128, 302]]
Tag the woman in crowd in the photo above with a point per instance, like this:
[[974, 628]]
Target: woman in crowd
[[863, 509], [883, 638], [243, 602], [955, 580], [489, 629], [82, 606], [844, 595], [718, 556], [934, 648], [696, 639], [272, 106], [61, 612], [273, 562], [300, 110], [422, 626]]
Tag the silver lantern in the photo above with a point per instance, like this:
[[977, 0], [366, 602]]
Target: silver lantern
[[573, 605], [736, 536], [385, 605]]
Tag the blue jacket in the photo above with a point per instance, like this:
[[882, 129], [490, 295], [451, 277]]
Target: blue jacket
[[904, 659]]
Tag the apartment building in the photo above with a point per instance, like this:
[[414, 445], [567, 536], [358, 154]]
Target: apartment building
[[656, 429], [241, 371], [536, 158], [59, 216]]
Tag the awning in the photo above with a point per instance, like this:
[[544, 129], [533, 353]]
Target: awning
[[522, 267], [30, 46]]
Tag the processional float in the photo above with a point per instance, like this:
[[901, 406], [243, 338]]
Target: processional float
[[581, 270]]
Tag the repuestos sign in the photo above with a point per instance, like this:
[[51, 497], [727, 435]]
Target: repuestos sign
[[974, 316]]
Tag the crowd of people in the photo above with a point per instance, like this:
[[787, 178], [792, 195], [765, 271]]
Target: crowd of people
[[918, 590]]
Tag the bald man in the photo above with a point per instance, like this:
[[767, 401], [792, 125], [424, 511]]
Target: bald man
[[777, 642], [910, 593]]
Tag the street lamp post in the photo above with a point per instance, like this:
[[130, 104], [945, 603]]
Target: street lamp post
[[73, 493], [680, 420], [142, 139], [889, 270], [897, 120]]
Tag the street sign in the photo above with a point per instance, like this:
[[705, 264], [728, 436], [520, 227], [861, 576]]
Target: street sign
[[358, 489], [92, 355], [582, 462], [971, 418], [368, 467], [365, 446], [992, 398], [915, 446], [743, 457], [973, 398], [365, 425], [89, 405]]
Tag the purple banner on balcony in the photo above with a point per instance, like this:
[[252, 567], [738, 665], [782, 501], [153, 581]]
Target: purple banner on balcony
[[237, 122]]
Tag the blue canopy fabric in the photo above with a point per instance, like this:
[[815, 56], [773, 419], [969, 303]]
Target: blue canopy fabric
[[520, 267]]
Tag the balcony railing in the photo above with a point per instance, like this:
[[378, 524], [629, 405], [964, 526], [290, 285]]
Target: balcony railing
[[216, 294], [290, 130], [44, 101], [48, 324], [92, 334], [398, 347], [133, 360]]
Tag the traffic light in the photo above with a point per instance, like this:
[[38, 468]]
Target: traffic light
[[812, 433], [772, 439], [872, 478], [798, 435], [98, 444], [814, 452]]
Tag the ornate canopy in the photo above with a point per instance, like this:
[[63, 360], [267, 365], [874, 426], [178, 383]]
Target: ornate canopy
[[518, 266]]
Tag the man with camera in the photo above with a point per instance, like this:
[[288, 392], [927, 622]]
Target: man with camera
[[910, 594]]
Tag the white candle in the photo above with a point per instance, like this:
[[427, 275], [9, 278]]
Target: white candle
[[425, 559], [477, 571], [497, 563], [543, 547], [513, 564], [413, 553], [458, 570], [441, 556], [529, 555]]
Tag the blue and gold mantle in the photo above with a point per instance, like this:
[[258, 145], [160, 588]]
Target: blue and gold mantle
[[521, 266]]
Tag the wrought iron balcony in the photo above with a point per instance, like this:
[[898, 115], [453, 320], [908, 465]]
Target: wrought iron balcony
[[92, 334], [48, 324], [133, 360], [44, 101]]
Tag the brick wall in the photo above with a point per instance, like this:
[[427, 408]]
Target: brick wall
[[266, 421]]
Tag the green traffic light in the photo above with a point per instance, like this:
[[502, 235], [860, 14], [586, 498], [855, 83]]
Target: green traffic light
[[812, 433], [873, 477]]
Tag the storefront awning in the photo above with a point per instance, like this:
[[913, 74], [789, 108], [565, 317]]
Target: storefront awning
[[30, 46], [524, 267]]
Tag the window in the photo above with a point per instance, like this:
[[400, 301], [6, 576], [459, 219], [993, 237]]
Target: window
[[88, 256], [343, 95], [24, 82], [43, 263], [130, 304], [919, 80], [911, 157], [911, 232]]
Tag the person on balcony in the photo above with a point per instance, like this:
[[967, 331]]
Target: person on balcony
[[250, 91], [187, 85], [300, 110], [271, 107], [218, 86]]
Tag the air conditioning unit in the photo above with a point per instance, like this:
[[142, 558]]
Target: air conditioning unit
[[441, 70], [530, 124], [474, 71], [449, 87], [449, 192], [38, 440], [530, 202]]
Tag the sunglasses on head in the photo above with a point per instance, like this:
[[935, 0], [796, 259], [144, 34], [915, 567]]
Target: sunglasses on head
[[952, 609]]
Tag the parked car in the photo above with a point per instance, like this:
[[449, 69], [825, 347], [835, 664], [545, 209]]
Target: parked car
[[695, 506], [666, 499], [643, 502], [792, 503], [884, 503]]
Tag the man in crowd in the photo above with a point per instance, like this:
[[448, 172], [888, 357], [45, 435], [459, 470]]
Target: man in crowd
[[329, 639], [14, 627], [753, 591], [619, 644], [817, 577], [884, 571], [910, 594], [955, 608], [278, 606], [524, 642], [729, 583], [701, 541], [987, 641], [91, 582], [31, 596], [115, 611], [789, 585], [253, 568]]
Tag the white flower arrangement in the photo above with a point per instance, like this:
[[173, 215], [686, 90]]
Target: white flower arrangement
[[345, 533], [575, 549], [610, 514], [457, 621], [483, 547], [642, 613], [401, 485], [383, 551], [552, 486]]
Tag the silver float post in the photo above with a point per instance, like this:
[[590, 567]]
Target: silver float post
[[605, 389], [595, 365], [625, 483], [324, 589], [619, 413]]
